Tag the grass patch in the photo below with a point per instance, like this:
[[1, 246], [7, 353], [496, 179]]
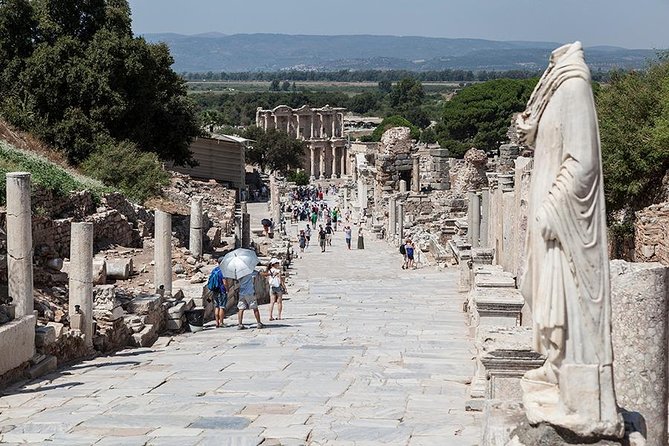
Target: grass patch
[[44, 174]]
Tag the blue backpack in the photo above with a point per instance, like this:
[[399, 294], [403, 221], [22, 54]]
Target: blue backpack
[[215, 282]]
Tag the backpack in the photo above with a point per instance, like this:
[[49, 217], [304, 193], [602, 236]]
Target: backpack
[[403, 250], [215, 283]]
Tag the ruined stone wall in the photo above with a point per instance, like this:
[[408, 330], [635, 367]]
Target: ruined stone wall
[[651, 243]]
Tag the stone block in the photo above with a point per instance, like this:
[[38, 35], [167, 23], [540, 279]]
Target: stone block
[[58, 328], [496, 307], [17, 342], [144, 304], [119, 269], [174, 324], [495, 280], [47, 365], [44, 336], [146, 337]]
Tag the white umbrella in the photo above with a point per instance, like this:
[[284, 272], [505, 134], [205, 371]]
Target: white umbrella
[[239, 263]]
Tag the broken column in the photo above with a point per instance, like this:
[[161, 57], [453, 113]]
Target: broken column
[[81, 280], [163, 253], [415, 174], [392, 218], [403, 186], [400, 222], [470, 216], [20, 243], [196, 225], [476, 220], [639, 337]]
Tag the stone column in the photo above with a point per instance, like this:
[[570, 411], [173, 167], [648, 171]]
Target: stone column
[[196, 225], [345, 197], [312, 151], [322, 166], [334, 123], [639, 338], [403, 186], [400, 222], [246, 229], [392, 219], [476, 220], [163, 252], [485, 217], [342, 162], [362, 194], [311, 136], [299, 132], [20, 243], [415, 174], [470, 216], [354, 168], [81, 278], [334, 160], [506, 221]]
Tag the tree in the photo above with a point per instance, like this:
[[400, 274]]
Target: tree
[[406, 100], [634, 125], [385, 86], [274, 149], [78, 78], [275, 85], [479, 115], [285, 86]]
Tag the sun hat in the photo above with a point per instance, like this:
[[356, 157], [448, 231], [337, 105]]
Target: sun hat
[[274, 260]]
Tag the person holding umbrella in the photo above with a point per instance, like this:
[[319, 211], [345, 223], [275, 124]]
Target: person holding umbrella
[[240, 265]]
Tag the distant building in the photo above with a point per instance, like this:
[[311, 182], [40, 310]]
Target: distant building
[[221, 158], [322, 129]]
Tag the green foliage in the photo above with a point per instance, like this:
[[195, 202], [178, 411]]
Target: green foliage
[[394, 121], [139, 175], [73, 74], [275, 85], [44, 174], [298, 177], [273, 149], [634, 125], [479, 115]]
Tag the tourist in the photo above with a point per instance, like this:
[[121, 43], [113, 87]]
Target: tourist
[[403, 252], [328, 233], [347, 236], [322, 237], [307, 234], [314, 218], [247, 300], [218, 285], [409, 248], [277, 287], [335, 215], [361, 239], [302, 240]]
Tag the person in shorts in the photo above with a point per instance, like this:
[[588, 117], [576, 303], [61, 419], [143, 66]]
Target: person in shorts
[[328, 233], [220, 296], [322, 238], [277, 287], [307, 235], [247, 300], [409, 248]]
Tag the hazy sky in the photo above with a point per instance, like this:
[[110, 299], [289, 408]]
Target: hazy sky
[[627, 23]]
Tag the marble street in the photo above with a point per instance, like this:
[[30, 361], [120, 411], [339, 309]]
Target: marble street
[[366, 354]]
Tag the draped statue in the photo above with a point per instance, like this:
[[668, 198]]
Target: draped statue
[[566, 281]]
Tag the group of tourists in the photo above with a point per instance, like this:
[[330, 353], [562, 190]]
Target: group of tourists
[[248, 300], [408, 249]]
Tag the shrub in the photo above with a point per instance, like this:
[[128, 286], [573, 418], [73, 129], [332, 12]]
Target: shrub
[[298, 177], [139, 175]]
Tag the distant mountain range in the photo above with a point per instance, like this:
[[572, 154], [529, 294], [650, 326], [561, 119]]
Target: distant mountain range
[[275, 52]]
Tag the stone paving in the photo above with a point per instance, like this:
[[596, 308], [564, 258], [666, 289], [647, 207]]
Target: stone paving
[[366, 354]]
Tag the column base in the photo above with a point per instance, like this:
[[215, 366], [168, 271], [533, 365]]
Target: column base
[[333, 177]]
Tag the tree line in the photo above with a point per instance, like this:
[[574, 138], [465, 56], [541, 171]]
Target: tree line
[[370, 75]]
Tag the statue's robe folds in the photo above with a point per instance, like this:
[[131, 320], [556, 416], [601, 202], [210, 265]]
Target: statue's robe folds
[[566, 279]]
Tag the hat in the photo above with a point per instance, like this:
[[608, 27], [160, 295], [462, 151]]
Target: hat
[[274, 260]]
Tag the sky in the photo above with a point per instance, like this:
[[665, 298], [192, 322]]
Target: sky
[[626, 23]]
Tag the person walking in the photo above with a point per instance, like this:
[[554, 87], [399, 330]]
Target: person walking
[[277, 287], [322, 237], [328, 233], [307, 234], [314, 218], [361, 239], [347, 236], [218, 285], [403, 252], [248, 300], [302, 240], [409, 247]]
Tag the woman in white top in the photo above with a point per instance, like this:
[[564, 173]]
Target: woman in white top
[[277, 287]]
